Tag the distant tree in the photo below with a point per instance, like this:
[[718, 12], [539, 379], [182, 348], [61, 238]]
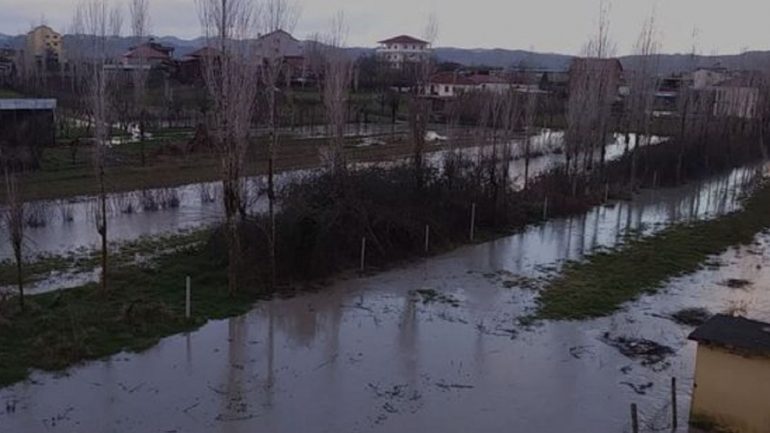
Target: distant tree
[[337, 79], [420, 107], [14, 223], [140, 30], [278, 15], [101, 25], [592, 91], [644, 84], [232, 82]]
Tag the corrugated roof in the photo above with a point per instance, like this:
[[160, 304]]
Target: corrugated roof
[[27, 104], [735, 333]]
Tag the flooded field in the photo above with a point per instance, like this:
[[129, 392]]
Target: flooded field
[[64, 226], [437, 345]]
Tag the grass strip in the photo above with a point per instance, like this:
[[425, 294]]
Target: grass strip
[[145, 303], [600, 283]]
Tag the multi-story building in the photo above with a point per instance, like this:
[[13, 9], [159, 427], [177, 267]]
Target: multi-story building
[[44, 46], [403, 50]]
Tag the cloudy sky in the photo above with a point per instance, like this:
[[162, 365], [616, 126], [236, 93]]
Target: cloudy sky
[[544, 25]]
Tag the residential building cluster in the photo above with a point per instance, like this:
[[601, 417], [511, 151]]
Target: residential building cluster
[[721, 92]]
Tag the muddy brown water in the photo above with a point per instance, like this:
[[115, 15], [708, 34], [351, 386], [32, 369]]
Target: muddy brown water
[[372, 354]]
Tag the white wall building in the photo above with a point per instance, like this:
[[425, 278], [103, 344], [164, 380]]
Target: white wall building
[[402, 50], [451, 84], [704, 78]]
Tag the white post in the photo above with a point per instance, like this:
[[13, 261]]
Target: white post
[[473, 222], [427, 238], [187, 299], [363, 253]]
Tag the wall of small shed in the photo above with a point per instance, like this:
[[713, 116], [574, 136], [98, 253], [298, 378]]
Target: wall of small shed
[[731, 390]]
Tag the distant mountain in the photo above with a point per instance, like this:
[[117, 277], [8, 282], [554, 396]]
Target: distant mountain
[[501, 58]]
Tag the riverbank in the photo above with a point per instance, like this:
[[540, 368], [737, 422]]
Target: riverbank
[[602, 282]]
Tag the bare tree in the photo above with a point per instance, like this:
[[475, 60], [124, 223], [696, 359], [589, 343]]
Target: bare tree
[[232, 81], [337, 76], [100, 25], [530, 117], [279, 15], [419, 107], [140, 30], [14, 222], [593, 87], [643, 86]]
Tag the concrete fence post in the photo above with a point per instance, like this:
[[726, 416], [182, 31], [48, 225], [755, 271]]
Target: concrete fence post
[[363, 253], [674, 414], [473, 222], [187, 306]]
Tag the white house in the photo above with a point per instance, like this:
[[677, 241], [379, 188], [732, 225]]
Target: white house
[[704, 78], [451, 84], [402, 50]]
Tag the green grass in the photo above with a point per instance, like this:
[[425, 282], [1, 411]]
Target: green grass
[[144, 304], [121, 254], [598, 285]]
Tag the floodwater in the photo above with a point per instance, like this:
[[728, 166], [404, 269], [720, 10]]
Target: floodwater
[[63, 226], [372, 354]]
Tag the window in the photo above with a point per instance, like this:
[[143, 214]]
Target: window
[[446, 89]]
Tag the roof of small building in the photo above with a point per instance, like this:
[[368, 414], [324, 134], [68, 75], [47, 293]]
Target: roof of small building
[[277, 32], [13, 104], [403, 39], [735, 333], [594, 63], [202, 53], [148, 52], [453, 78], [487, 79]]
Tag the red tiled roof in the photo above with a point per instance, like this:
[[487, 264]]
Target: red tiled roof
[[403, 39], [452, 78], [486, 79], [146, 52], [595, 63]]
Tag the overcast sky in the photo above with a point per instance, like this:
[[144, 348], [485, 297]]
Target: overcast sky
[[562, 26]]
